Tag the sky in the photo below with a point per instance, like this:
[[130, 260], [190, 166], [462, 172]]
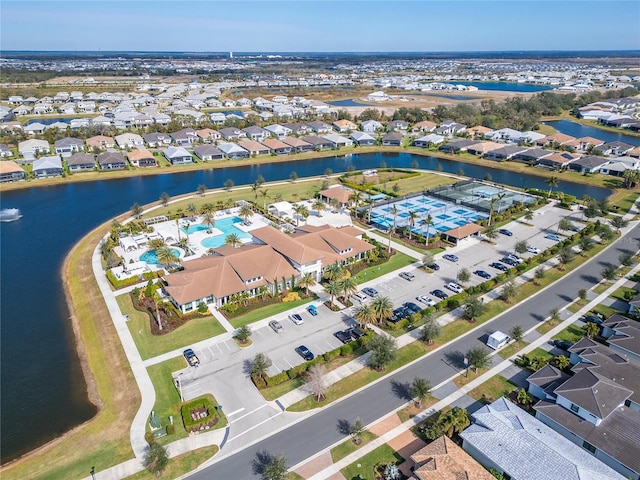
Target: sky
[[320, 26]]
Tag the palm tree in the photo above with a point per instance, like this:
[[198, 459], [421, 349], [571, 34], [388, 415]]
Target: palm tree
[[500, 198], [164, 199], [232, 240], [365, 315], [166, 256], [319, 206], [202, 189], [265, 194], [277, 197], [136, 210], [192, 210], [421, 390], [412, 221], [552, 182], [333, 272], [298, 209], [370, 202], [332, 289], [254, 188], [426, 222], [356, 197], [528, 215], [208, 220], [383, 308], [259, 366], [564, 224], [349, 286], [245, 212], [394, 212], [491, 205], [307, 281], [454, 421], [207, 207]]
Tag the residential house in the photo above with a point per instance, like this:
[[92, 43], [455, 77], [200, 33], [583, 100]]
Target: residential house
[[362, 139], [217, 118], [156, 139], [30, 148], [521, 447], [504, 135], [79, 123], [256, 133], [378, 96], [233, 151], [479, 131], [543, 382], [298, 145], [100, 141], [318, 143], [424, 126], [298, 128], [505, 153], [277, 147], [338, 141], [183, 137], [531, 138], [208, 135], [588, 164], [112, 161], [532, 155], [46, 167], [279, 131], [319, 127], [617, 166], [635, 153], [35, 128], [5, 151], [177, 156], [337, 193], [344, 126], [141, 158], [554, 140], [254, 148], [10, 171], [428, 140], [371, 126], [449, 127], [397, 126], [634, 306], [584, 144], [559, 160], [623, 336], [81, 162], [392, 139], [208, 152], [615, 149], [232, 133], [457, 145], [161, 118], [65, 147], [129, 140], [482, 148]]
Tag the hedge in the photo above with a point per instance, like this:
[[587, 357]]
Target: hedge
[[185, 411], [296, 371], [127, 282], [277, 379]]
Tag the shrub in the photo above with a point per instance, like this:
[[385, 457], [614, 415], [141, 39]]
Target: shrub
[[148, 436], [201, 403], [346, 349], [296, 371], [331, 354], [399, 325], [277, 379], [453, 303], [171, 429], [258, 381], [291, 297]]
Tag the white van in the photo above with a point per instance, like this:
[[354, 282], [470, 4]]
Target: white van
[[360, 297], [498, 340]]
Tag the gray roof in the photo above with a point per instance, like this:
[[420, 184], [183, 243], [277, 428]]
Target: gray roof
[[548, 378], [509, 150], [68, 141], [204, 150], [111, 157], [43, 163], [591, 161], [393, 136], [527, 449], [231, 148], [255, 130], [176, 152], [81, 159], [316, 140]]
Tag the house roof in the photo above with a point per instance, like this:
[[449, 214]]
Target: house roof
[[464, 231], [99, 140], [252, 146], [507, 435], [204, 150], [274, 143], [9, 166], [176, 152], [442, 459], [484, 147], [591, 161], [53, 161], [394, 136], [207, 133], [81, 159], [231, 148], [295, 142], [68, 141], [559, 138], [315, 140], [339, 193], [561, 157], [137, 155], [111, 157], [286, 246], [548, 378]]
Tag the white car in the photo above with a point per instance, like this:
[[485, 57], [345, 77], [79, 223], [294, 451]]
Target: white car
[[296, 318], [515, 258], [454, 287], [532, 249], [426, 300]]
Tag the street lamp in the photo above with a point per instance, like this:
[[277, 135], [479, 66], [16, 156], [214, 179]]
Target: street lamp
[[92, 472]]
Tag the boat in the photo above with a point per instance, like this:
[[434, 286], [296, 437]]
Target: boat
[[10, 215]]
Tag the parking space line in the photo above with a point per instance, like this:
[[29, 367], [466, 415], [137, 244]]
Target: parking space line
[[235, 412], [218, 345], [249, 413], [287, 362], [212, 353]]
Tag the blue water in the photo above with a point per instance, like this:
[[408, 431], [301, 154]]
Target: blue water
[[227, 226], [452, 96], [151, 258], [578, 130], [48, 120], [349, 102], [506, 86], [40, 400]]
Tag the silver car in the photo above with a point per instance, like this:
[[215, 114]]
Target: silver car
[[275, 325]]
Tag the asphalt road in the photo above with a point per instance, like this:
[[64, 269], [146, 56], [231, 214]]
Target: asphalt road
[[317, 432]]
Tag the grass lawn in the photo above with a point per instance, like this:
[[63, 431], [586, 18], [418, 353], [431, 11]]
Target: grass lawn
[[601, 287], [512, 349], [572, 334], [181, 464], [619, 294], [397, 261], [423, 182], [625, 202], [267, 311], [468, 376], [412, 410], [168, 398], [348, 447], [491, 390], [544, 327], [605, 311], [540, 353], [365, 465], [150, 345]]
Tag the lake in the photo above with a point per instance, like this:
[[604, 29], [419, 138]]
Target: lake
[[42, 388], [505, 86], [578, 130]]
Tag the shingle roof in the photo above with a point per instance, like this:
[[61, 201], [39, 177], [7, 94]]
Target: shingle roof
[[442, 459]]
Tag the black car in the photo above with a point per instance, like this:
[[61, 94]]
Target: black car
[[343, 336], [499, 266], [439, 293], [434, 266], [413, 307], [506, 232], [305, 353], [509, 261], [191, 357], [592, 319], [398, 314], [482, 273], [562, 344], [355, 332]]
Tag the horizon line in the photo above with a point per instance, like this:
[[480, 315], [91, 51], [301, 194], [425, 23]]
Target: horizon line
[[321, 51]]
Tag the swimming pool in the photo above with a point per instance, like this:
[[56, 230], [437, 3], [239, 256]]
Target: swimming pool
[[150, 256], [227, 227]]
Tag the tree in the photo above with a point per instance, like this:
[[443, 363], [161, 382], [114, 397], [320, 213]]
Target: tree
[[356, 429], [191, 209], [524, 398], [591, 329], [382, 350], [349, 286], [631, 178], [264, 193], [412, 221], [565, 256], [492, 203], [528, 215], [508, 291], [453, 421], [582, 294], [208, 219], [332, 289], [276, 468], [491, 232], [232, 240], [473, 308], [259, 365], [245, 213], [319, 206], [394, 212], [242, 334], [420, 390], [427, 222], [307, 281], [156, 459], [460, 172], [293, 176], [164, 199], [626, 259], [561, 362], [259, 180], [382, 308], [333, 272], [136, 210], [166, 256], [228, 184], [430, 331], [552, 182], [586, 244], [316, 382], [609, 272], [464, 276], [516, 333], [365, 315], [202, 189], [564, 225], [605, 233], [301, 211], [521, 247], [478, 357], [427, 259], [618, 223], [328, 172], [554, 316]]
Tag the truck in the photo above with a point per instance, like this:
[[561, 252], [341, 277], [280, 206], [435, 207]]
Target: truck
[[498, 340]]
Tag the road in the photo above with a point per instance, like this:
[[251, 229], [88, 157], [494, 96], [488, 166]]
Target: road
[[317, 432]]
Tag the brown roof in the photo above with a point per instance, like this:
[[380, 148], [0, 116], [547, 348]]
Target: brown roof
[[274, 143], [331, 242], [135, 155], [442, 459], [286, 245], [295, 142], [561, 157], [484, 147], [9, 166], [99, 140], [345, 124], [207, 133], [464, 231], [338, 193], [252, 146], [558, 138], [480, 129], [425, 124]]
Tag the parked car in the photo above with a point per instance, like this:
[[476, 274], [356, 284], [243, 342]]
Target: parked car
[[412, 306], [499, 266], [396, 315], [313, 311], [355, 332], [515, 258], [454, 287], [426, 300], [343, 335], [296, 318], [553, 237], [408, 276], [562, 344], [275, 325], [360, 297], [305, 353], [509, 261], [592, 319], [451, 257], [482, 273], [372, 292], [434, 266], [532, 249], [439, 293], [506, 232], [191, 358]]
